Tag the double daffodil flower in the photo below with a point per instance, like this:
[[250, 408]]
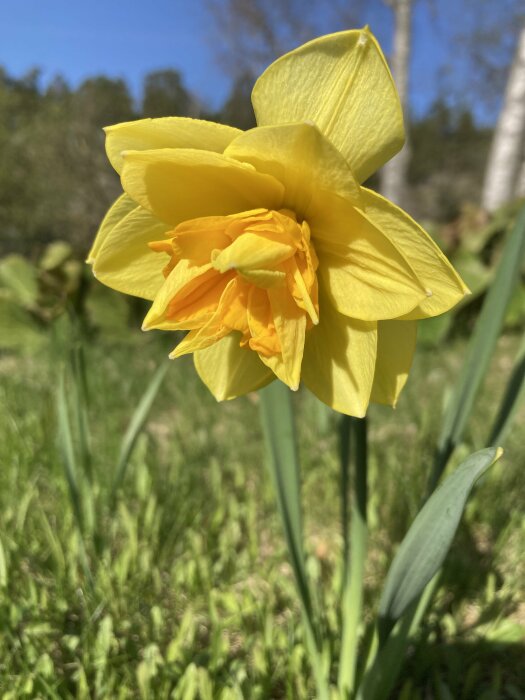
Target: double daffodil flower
[[265, 246]]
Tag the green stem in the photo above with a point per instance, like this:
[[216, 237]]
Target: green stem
[[344, 461], [281, 446], [352, 599]]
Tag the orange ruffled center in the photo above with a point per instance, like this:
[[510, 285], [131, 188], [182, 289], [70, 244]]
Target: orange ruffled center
[[254, 273]]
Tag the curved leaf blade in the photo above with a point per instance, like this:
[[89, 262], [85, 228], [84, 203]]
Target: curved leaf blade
[[428, 540]]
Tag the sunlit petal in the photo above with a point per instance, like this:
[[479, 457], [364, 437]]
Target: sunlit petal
[[118, 210], [443, 284], [396, 342], [300, 158], [342, 83], [181, 286], [252, 252], [290, 326], [366, 276], [124, 260], [166, 132], [339, 360], [229, 370], [180, 184]]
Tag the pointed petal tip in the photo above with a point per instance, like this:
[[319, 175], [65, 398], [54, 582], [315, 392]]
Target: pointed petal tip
[[499, 452], [363, 37]]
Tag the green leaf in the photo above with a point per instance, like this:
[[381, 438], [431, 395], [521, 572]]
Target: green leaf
[[428, 540], [136, 424], [281, 443], [65, 442], [71, 469], [384, 664], [18, 330], [481, 347], [514, 394], [55, 255], [283, 462], [19, 277]]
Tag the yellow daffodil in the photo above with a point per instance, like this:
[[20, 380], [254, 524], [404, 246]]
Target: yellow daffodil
[[264, 245]]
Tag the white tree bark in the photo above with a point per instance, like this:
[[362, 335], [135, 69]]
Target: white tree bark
[[394, 173], [505, 153]]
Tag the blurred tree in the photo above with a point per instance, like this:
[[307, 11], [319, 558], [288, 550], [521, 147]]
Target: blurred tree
[[503, 165], [166, 96], [238, 110], [54, 178], [19, 100], [394, 173], [101, 101], [253, 33], [447, 146]]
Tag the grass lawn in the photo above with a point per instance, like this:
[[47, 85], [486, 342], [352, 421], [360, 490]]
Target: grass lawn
[[180, 587]]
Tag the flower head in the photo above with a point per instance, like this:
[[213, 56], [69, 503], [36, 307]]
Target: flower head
[[265, 246]]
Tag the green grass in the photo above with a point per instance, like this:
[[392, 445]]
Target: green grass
[[191, 595]]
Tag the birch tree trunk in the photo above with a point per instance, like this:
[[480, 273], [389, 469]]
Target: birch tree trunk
[[394, 173], [505, 152]]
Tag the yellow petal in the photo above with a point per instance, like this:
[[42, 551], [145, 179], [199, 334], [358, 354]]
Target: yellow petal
[[124, 260], [213, 330], [167, 132], [197, 239], [443, 284], [369, 285], [396, 342], [118, 210], [229, 370], [300, 158], [264, 278], [365, 275], [263, 337], [180, 184], [251, 252], [339, 360], [290, 325], [342, 83], [183, 281]]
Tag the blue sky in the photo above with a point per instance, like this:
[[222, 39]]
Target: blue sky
[[128, 39]]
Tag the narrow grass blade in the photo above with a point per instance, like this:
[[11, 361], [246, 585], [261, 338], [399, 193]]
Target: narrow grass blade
[[3, 567], [355, 552], [135, 426], [514, 394], [65, 442], [428, 540], [78, 367], [481, 347], [283, 462]]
